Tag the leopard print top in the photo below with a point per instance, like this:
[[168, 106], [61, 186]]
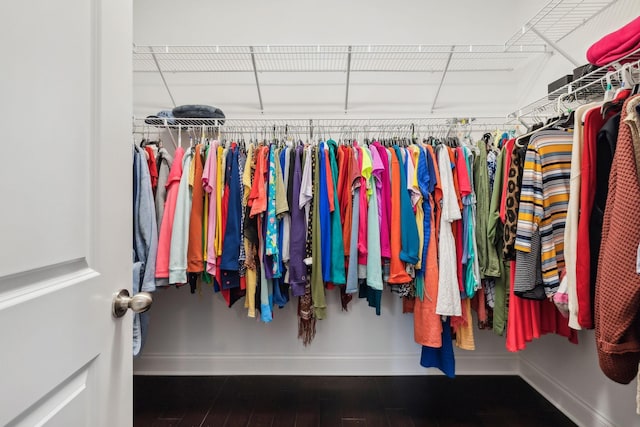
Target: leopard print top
[[514, 185]]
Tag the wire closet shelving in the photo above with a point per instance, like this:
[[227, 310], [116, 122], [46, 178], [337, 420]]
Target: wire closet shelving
[[317, 128], [539, 35], [591, 86]]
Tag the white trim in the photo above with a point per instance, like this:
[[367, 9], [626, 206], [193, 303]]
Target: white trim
[[574, 407], [329, 364]]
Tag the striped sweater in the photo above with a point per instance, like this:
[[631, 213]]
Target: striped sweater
[[544, 200]]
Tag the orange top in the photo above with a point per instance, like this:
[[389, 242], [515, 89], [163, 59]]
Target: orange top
[[427, 326], [195, 263], [258, 195]]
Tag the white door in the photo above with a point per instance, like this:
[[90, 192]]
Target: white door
[[65, 212]]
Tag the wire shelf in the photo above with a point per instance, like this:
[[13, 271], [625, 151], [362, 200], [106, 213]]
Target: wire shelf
[[557, 19], [538, 37], [584, 89], [327, 58]]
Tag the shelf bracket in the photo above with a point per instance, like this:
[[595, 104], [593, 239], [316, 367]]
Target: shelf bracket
[[346, 97], [255, 74], [554, 46], [444, 74], [166, 86]]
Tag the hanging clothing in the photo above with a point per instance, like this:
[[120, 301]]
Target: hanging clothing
[[352, 270], [250, 234], [337, 275], [145, 243], [271, 219], [544, 201], [180, 230], [398, 274], [618, 283], [512, 189], [443, 357], [600, 135], [364, 165], [345, 193], [324, 210], [487, 256], [571, 224], [317, 284], [495, 228], [297, 268], [230, 260], [408, 228], [374, 259], [427, 324], [448, 290], [164, 161], [471, 273], [195, 262], [209, 185], [152, 166], [166, 227], [384, 200]]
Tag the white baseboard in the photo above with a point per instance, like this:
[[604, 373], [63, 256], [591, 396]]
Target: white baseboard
[[270, 364], [579, 411]]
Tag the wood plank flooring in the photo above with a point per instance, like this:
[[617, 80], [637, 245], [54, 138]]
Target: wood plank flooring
[[294, 401]]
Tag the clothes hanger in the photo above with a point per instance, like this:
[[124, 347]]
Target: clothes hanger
[[519, 140], [169, 131], [527, 135], [630, 80], [565, 120]]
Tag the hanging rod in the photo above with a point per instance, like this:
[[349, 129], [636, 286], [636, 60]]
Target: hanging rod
[[324, 127], [265, 122]]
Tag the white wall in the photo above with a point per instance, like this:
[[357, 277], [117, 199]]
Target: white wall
[[198, 334], [290, 22], [246, 22], [570, 377]]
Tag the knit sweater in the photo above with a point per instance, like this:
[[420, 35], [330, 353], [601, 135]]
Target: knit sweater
[[617, 297]]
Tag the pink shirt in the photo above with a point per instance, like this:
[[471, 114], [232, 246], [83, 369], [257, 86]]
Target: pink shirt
[[365, 172], [384, 199], [209, 183], [377, 169], [164, 239]]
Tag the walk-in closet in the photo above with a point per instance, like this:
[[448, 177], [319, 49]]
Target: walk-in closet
[[292, 213]]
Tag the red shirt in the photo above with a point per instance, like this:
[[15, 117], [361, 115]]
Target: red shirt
[[593, 122]]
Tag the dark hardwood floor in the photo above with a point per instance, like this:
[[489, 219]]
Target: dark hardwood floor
[[273, 401]]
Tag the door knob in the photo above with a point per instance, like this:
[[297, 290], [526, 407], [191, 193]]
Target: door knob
[[139, 303]]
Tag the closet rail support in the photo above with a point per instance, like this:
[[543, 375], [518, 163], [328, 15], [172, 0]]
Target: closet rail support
[[166, 86], [554, 46], [346, 97], [444, 74], [255, 74]]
